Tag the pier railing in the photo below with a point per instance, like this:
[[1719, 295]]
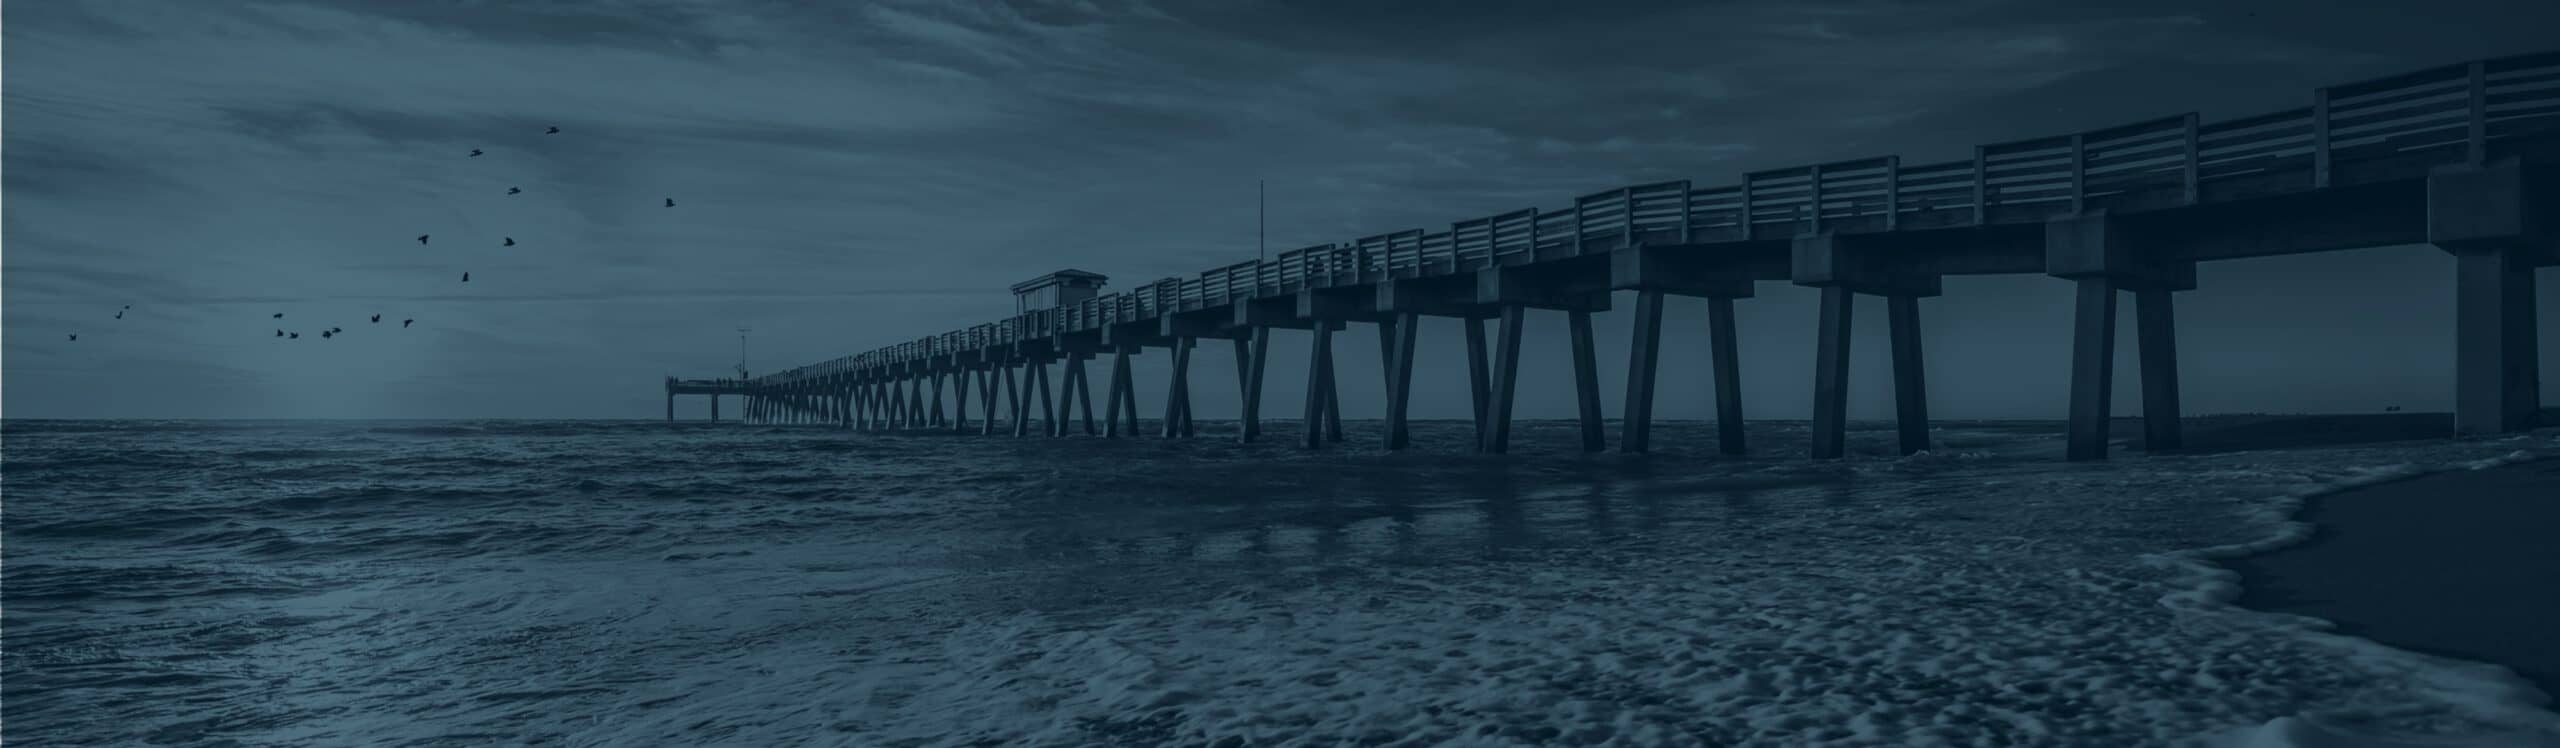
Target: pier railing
[[2393, 127]]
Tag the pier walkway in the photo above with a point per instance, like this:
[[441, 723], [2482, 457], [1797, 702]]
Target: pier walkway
[[2465, 157]]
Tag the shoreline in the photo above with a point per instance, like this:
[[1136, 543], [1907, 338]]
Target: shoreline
[[2454, 563]]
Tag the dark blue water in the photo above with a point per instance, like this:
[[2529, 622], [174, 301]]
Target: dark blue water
[[466, 583]]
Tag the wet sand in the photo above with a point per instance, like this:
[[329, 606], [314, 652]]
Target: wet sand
[[2463, 564]]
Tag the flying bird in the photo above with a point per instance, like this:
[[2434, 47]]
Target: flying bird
[[279, 315], [120, 313], [466, 277], [293, 336], [337, 329], [404, 324], [514, 190], [422, 239], [475, 152], [377, 319], [511, 241], [324, 334], [75, 336], [671, 202], [553, 131], [279, 333]]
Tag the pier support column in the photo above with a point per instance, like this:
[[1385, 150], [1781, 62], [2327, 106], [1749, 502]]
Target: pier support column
[[2495, 371], [1332, 399], [916, 416], [934, 416], [960, 398], [2156, 338], [671, 407], [1479, 377], [1399, 366], [1177, 391], [1119, 390], [1319, 369], [1644, 352], [2104, 255], [1014, 397], [715, 408], [2500, 220], [1586, 381], [2093, 344], [1831, 374], [1506, 381], [1250, 358], [1081, 392], [1910, 389], [1051, 412], [1727, 354], [1129, 394], [988, 379]]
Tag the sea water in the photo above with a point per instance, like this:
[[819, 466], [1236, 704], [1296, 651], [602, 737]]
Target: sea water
[[606, 584]]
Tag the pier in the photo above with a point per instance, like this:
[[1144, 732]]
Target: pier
[[2464, 157]]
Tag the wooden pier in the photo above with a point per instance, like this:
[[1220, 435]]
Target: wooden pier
[[2465, 157]]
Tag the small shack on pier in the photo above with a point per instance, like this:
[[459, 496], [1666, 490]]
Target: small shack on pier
[[1061, 288]]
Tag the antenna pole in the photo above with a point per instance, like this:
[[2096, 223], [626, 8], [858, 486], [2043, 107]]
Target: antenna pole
[[742, 352], [1261, 244]]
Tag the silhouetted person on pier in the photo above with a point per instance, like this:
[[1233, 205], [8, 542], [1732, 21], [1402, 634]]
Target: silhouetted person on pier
[[552, 131], [377, 319], [422, 239], [466, 277], [475, 153], [404, 324], [514, 190], [511, 241]]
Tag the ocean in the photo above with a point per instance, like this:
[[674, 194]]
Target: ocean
[[644, 583]]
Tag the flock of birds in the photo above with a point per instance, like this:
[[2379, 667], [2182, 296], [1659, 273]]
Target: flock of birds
[[507, 241]]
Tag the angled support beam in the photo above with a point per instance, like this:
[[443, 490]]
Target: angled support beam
[[1250, 355], [1319, 361], [1586, 381], [2093, 345], [1479, 376], [2156, 336], [1399, 366], [1644, 354], [1910, 389], [1506, 381], [1119, 388], [1831, 374], [1177, 391]]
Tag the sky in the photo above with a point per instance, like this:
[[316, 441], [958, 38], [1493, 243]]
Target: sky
[[850, 175]]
